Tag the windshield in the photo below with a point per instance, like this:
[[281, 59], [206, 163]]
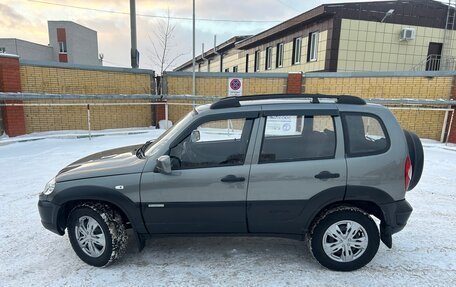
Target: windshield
[[164, 137]]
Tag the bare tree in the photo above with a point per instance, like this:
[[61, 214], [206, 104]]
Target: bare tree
[[162, 44]]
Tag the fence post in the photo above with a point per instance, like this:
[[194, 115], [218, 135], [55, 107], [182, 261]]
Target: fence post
[[10, 81], [166, 113], [445, 122], [450, 127], [88, 121]]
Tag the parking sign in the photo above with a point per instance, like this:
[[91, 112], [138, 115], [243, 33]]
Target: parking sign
[[234, 87]]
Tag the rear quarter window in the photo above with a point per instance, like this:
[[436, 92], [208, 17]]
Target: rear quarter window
[[365, 134]]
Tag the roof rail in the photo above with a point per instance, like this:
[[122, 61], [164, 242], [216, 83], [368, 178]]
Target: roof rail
[[234, 102]]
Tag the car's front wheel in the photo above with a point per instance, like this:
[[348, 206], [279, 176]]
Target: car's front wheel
[[344, 239], [97, 233]]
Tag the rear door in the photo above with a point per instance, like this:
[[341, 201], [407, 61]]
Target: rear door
[[299, 155]]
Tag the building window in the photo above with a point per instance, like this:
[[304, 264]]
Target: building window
[[246, 63], [199, 67], [279, 55], [227, 70], [2, 49], [63, 47], [297, 43], [256, 66], [268, 64], [235, 69], [208, 65], [312, 48]]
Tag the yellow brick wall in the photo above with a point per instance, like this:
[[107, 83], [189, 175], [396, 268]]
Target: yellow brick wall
[[35, 79], [217, 86], [427, 124]]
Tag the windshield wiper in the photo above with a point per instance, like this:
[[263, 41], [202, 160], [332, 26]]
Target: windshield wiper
[[140, 152]]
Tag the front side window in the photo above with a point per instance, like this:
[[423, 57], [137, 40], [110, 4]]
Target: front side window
[[365, 134], [312, 49], [256, 67], [213, 144], [298, 137], [296, 50], [268, 64], [279, 56]]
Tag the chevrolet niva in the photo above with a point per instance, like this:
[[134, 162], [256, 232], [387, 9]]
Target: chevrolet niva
[[309, 167]]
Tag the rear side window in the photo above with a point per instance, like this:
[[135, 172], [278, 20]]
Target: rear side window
[[298, 137], [365, 134]]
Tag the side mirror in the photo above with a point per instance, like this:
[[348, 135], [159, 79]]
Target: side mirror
[[163, 165], [195, 136]]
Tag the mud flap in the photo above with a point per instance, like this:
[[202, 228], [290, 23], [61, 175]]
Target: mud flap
[[386, 235], [140, 241]]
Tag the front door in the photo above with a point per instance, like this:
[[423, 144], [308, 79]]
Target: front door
[[301, 157], [207, 189]]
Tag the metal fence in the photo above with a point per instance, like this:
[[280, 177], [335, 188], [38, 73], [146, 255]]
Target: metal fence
[[51, 112]]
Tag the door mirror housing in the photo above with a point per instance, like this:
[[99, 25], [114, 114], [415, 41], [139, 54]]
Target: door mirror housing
[[195, 136], [163, 165]]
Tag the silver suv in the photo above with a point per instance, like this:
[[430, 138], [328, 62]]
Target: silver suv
[[308, 167]]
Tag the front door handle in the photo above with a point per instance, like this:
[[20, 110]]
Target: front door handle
[[326, 174], [233, 178]]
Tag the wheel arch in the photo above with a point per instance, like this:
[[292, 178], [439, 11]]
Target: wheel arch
[[71, 197]]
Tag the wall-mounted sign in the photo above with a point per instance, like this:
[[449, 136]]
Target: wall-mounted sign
[[234, 87]]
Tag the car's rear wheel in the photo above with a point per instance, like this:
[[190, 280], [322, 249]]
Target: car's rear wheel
[[97, 233], [344, 239]]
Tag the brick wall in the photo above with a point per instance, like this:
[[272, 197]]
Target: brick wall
[[10, 81], [59, 80], [215, 85], [427, 124]]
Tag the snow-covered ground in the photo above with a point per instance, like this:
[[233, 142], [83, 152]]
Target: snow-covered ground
[[424, 253]]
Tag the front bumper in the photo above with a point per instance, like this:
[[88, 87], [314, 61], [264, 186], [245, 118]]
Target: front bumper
[[49, 213], [396, 215]]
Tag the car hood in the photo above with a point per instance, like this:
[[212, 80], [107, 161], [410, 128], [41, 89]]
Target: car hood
[[110, 162]]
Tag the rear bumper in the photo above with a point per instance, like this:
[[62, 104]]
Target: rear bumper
[[396, 215], [49, 216]]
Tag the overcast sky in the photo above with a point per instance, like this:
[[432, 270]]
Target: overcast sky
[[27, 20]]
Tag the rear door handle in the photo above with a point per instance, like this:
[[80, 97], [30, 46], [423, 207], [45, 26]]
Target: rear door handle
[[326, 174], [233, 178]]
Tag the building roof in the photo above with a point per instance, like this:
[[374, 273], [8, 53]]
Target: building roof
[[228, 44], [369, 11]]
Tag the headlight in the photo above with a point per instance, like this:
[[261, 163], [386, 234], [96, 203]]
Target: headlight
[[50, 186]]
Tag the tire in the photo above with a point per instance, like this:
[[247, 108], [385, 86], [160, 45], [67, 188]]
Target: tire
[[343, 217], [416, 154], [107, 237]]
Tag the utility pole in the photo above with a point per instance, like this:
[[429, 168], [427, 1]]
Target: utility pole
[[134, 54], [194, 60]]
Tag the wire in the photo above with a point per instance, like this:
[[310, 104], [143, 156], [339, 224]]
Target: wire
[[156, 16], [288, 6]]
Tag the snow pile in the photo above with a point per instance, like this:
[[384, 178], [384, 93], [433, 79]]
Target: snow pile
[[424, 253]]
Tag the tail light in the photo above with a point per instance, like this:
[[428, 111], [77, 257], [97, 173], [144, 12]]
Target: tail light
[[408, 172]]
